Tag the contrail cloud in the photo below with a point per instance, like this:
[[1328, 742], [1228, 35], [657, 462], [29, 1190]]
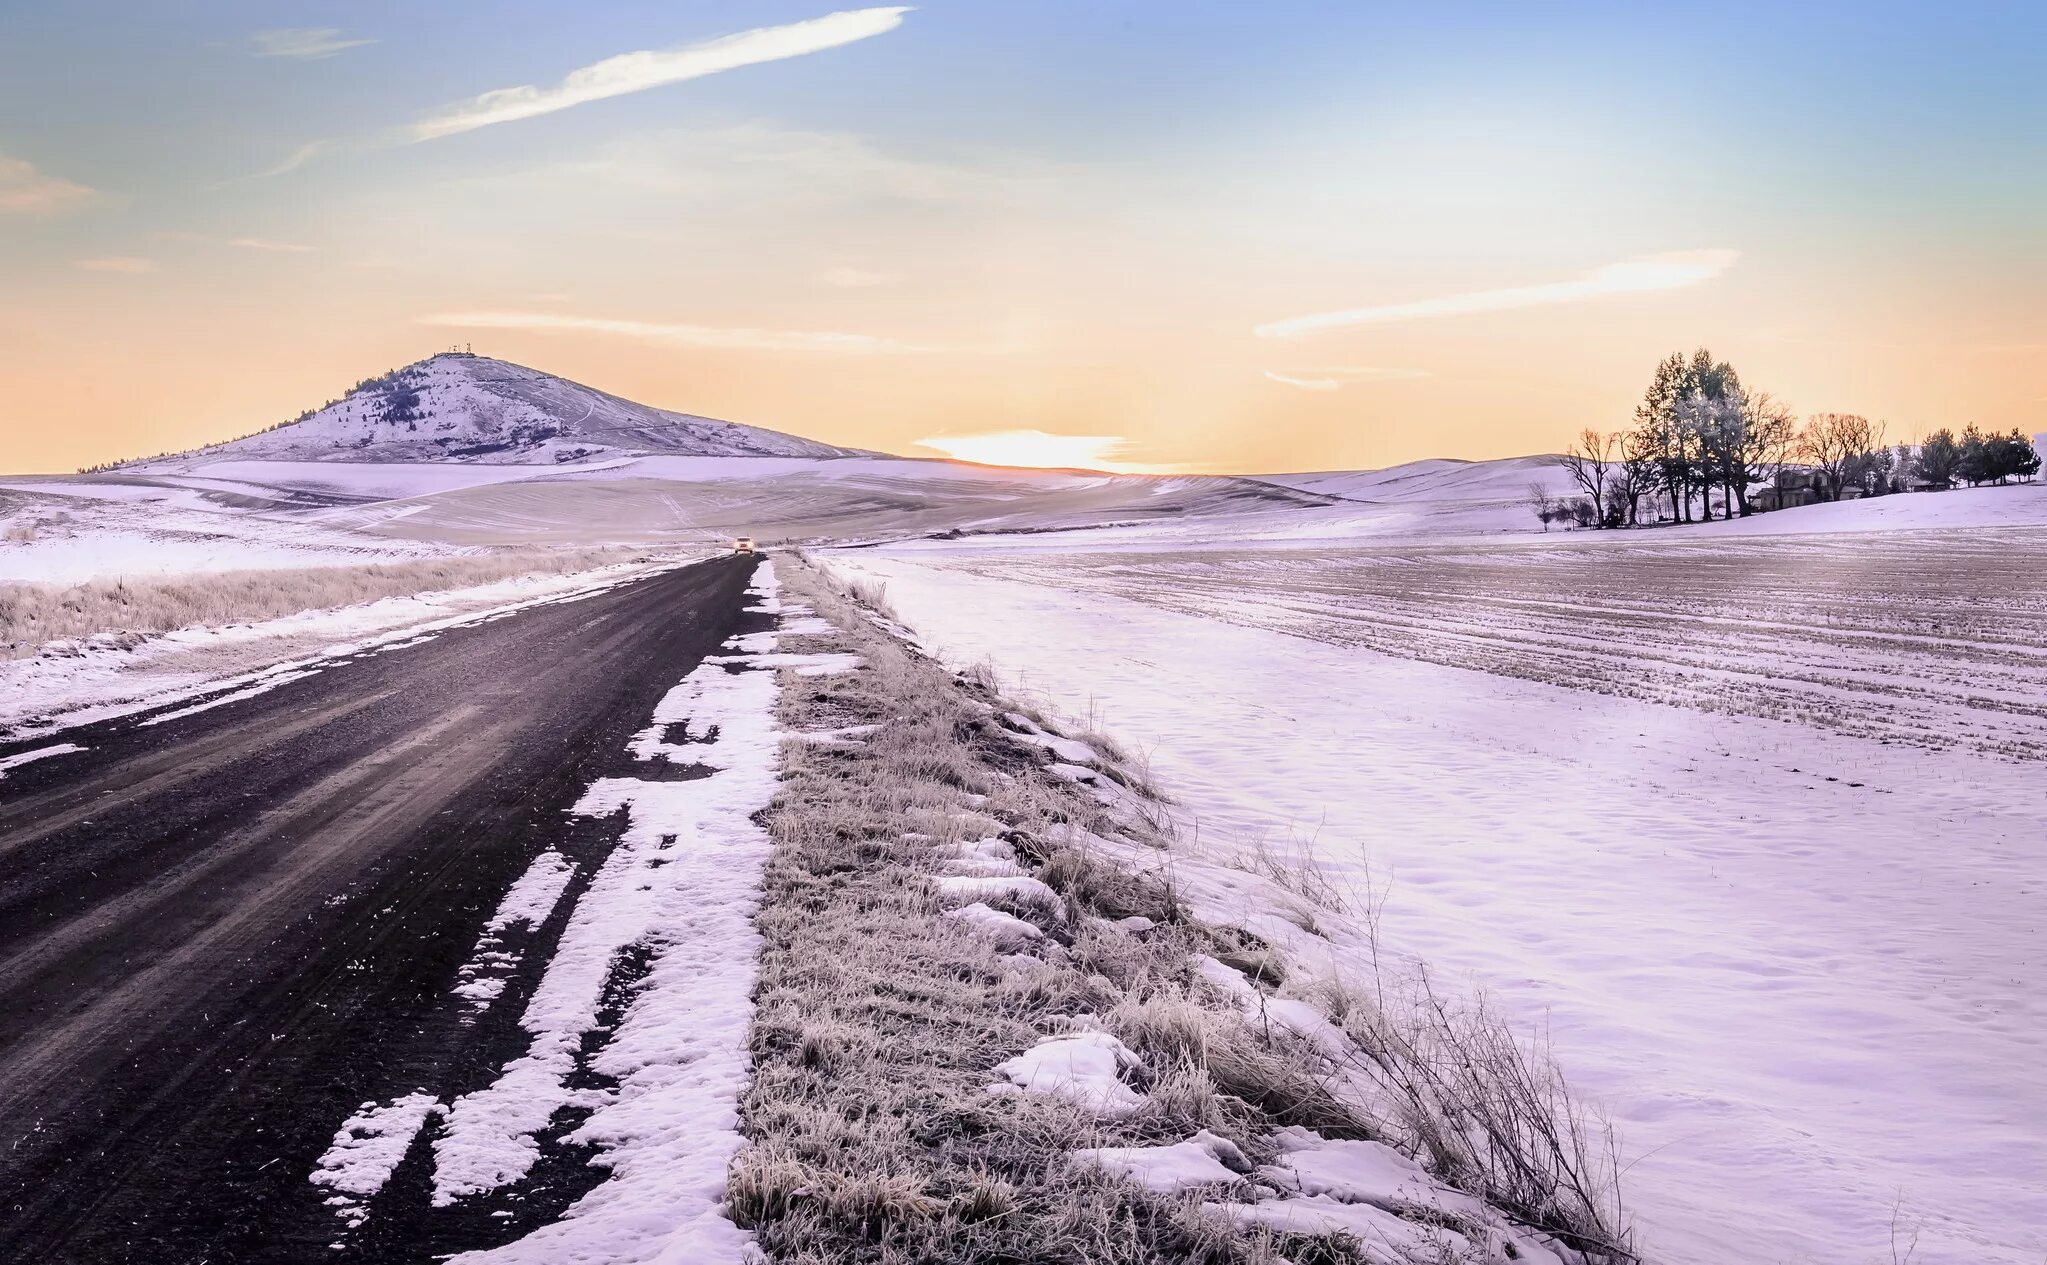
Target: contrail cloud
[[637, 72], [1333, 378]]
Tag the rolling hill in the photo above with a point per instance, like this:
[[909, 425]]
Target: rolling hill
[[463, 408], [458, 453]]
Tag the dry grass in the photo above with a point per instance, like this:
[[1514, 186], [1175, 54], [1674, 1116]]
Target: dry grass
[[33, 616], [872, 594], [1487, 1112], [879, 1021]]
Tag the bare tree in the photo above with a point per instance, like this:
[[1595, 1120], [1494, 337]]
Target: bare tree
[[1542, 503], [1836, 444], [1756, 444], [1632, 476], [1587, 462]]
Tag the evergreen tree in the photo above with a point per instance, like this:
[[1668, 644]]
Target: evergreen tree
[[1973, 466], [1938, 459], [2009, 456], [2025, 459], [1676, 421]]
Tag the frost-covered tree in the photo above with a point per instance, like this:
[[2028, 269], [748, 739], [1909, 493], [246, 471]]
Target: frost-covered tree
[[1705, 424], [1745, 436], [1871, 472], [1672, 426]]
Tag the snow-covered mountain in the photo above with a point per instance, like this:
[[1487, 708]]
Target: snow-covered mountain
[[459, 407]]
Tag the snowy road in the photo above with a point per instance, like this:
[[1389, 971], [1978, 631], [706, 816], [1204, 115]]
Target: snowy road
[[225, 928]]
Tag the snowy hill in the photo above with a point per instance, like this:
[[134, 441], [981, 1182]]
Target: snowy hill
[[1435, 479], [459, 407]]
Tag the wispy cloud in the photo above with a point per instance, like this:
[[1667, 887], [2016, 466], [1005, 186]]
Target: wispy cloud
[[268, 245], [757, 163], [1036, 449], [116, 263], [295, 159], [303, 43], [26, 191], [1672, 271], [637, 72], [1335, 376], [273, 247], [856, 278], [706, 336]]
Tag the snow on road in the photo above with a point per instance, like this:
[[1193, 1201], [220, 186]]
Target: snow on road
[[366, 1150], [270, 682], [20, 758], [672, 908], [526, 905], [687, 866], [1797, 963]]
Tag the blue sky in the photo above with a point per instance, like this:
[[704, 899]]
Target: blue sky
[[1074, 214]]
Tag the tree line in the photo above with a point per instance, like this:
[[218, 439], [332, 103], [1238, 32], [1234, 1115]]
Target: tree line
[[1700, 433]]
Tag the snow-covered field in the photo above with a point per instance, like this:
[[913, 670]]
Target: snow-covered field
[[204, 514], [266, 505], [1747, 814], [1935, 639], [62, 531], [100, 681], [1752, 826]]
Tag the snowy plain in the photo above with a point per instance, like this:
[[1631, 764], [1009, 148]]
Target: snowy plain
[[47, 694], [1740, 813], [1794, 951], [66, 531]]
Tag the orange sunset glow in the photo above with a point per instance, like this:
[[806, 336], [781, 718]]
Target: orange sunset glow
[[1364, 263]]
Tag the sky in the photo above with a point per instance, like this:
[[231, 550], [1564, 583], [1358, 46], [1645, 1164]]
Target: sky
[[1197, 236]]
